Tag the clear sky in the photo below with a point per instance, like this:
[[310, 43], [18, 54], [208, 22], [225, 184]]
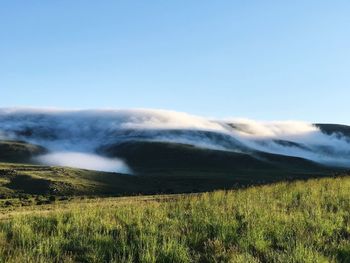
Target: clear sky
[[269, 60]]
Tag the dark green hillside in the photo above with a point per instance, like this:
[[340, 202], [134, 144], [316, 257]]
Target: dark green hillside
[[147, 157], [19, 151], [17, 180], [334, 129], [158, 167]]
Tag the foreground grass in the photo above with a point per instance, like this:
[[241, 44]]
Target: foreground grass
[[286, 222]]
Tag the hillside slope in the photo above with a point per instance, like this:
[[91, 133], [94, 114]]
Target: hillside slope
[[287, 222], [19, 151], [158, 167], [152, 157], [195, 171], [335, 129]]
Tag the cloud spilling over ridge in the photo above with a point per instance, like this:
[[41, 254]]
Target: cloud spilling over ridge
[[295, 138], [274, 129], [85, 131]]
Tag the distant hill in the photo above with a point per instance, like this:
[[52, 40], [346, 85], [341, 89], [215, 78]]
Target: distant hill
[[334, 129], [162, 152], [19, 151], [155, 157]]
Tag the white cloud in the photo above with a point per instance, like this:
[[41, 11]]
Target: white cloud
[[85, 131], [84, 161]]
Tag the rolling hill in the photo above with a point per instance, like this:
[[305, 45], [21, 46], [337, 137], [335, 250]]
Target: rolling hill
[[161, 210], [19, 151], [158, 167], [165, 152]]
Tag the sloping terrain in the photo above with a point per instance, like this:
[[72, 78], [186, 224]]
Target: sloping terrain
[[335, 129], [19, 151], [147, 157], [161, 152], [18, 181], [158, 167], [304, 221], [63, 214]]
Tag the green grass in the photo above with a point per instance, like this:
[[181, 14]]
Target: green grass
[[305, 221], [25, 180]]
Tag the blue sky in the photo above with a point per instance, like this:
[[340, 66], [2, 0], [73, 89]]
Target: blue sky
[[269, 60]]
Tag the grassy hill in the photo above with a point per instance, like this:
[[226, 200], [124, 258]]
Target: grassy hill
[[18, 181], [19, 151], [61, 214], [158, 168], [149, 157], [305, 221]]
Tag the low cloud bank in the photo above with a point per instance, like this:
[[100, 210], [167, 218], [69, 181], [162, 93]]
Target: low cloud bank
[[84, 161], [82, 132], [294, 138]]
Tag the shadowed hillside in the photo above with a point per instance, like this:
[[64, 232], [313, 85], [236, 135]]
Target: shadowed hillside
[[155, 157], [158, 167], [335, 129], [166, 152], [19, 151]]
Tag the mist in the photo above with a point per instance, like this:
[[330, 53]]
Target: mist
[[73, 137], [85, 161], [295, 138]]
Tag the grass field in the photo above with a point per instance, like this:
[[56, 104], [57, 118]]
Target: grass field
[[305, 221], [23, 182]]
